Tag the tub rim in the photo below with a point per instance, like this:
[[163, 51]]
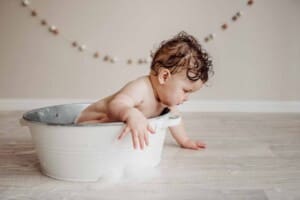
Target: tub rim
[[26, 119]]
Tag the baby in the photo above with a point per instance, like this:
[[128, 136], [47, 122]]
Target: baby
[[179, 67]]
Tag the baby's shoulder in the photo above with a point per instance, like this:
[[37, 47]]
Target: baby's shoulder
[[138, 85], [137, 90]]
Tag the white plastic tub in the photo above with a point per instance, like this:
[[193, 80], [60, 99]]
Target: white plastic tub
[[88, 152]]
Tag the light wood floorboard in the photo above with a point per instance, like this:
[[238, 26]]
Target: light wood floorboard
[[248, 156]]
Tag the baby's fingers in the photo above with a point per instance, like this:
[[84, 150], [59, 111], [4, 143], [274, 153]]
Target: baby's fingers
[[194, 146], [135, 139], [146, 139], [150, 129], [124, 132], [141, 140], [200, 144], [190, 145]]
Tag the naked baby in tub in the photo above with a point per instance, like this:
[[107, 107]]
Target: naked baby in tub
[[179, 67]]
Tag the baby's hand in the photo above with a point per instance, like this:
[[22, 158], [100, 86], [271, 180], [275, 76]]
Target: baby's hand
[[195, 145], [139, 127]]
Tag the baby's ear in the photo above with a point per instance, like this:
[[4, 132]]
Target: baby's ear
[[164, 75]]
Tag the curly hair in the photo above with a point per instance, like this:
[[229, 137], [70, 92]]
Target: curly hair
[[183, 51]]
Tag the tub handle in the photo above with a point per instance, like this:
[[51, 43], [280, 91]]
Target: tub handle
[[173, 120]]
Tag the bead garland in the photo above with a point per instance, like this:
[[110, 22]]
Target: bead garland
[[112, 59]]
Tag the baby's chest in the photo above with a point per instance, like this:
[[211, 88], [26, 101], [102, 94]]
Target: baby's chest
[[151, 108]]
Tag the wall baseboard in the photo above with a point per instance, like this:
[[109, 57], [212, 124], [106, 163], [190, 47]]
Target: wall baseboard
[[191, 106]]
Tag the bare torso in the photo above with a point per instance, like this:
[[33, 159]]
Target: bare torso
[[149, 105]]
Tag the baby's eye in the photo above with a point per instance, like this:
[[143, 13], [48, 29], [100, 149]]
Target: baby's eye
[[187, 90]]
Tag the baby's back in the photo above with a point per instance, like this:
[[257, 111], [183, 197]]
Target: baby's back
[[141, 92]]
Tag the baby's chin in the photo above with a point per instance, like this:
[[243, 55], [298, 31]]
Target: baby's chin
[[168, 104]]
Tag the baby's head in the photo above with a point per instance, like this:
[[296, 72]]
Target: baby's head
[[179, 67]]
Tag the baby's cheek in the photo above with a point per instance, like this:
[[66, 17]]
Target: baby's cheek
[[176, 98]]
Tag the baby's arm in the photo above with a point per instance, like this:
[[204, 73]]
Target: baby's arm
[[94, 113], [179, 134], [123, 107]]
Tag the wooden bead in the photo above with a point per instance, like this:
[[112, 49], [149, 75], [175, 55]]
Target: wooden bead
[[250, 2], [43, 22], [113, 60], [234, 18], [129, 61], [211, 36], [224, 26], [82, 47], [33, 13], [74, 44], [96, 55], [140, 61], [53, 30], [106, 58], [25, 3]]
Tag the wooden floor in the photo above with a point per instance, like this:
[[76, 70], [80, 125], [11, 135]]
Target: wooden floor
[[248, 156]]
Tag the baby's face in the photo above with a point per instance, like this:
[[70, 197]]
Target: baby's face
[[178, 88]]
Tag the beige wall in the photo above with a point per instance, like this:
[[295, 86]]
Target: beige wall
[[257, 58]]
